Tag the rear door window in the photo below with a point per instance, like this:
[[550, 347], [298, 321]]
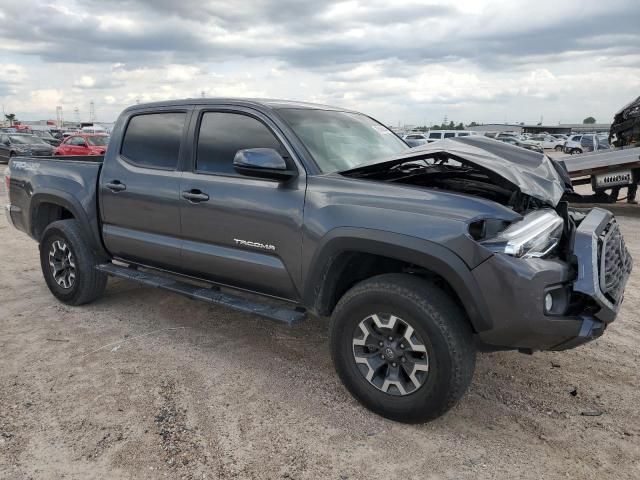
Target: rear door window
[[436, 135], [153, 139], [449, 134]]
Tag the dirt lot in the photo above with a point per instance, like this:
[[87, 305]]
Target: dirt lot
[[144, 384]]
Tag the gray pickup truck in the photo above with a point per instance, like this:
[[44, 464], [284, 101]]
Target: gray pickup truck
[[420, 257]]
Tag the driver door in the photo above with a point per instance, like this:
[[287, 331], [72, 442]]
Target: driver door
[[245, 232]]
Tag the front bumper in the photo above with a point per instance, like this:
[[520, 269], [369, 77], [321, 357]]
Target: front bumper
[[585, 302]]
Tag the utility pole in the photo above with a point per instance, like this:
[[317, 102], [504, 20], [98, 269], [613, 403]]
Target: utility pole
[[92, 112], [76, 112], [59, 117]]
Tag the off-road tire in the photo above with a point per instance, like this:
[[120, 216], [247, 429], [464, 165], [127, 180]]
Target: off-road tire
[[436, 318], [89, 284]]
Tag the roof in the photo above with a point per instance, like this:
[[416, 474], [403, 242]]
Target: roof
[[264, 103]]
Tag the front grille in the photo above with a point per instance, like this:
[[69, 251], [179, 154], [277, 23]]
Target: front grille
[[615, 262]]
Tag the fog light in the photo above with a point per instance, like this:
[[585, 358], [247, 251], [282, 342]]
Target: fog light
[[548, 302]]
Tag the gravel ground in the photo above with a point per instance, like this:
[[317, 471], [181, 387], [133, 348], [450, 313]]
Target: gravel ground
[[145, 384]]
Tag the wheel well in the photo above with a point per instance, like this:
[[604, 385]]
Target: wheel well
[[46, 214], [349, 268]]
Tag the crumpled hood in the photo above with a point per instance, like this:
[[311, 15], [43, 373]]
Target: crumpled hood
[[531, 172]]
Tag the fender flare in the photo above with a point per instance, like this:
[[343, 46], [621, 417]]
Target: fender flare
[[419, 252], [69, 202]]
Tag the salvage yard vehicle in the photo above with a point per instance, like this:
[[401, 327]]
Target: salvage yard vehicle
[[548, 141], [441, 134], [46, 136], [420, 256], [13, 144], [526, 144], [604, 169], [415, 139], [83, 144]]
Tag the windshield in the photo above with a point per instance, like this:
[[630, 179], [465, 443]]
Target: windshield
[[98, 141], [43, 134], [25, 139], [342, 140]]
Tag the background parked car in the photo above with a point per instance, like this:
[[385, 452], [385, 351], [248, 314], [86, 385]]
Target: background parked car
[[572, 145], [47, 137], [83, 144], [513, 140], [590, 143], [415, 139], [548, 141], [13, 144], [440, 134]]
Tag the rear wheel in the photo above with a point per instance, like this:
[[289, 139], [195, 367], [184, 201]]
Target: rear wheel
[[558, 148], [575, 151], [402, 347], [68, 264]]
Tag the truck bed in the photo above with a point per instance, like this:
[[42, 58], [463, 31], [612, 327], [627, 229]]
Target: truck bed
[[71, 180]]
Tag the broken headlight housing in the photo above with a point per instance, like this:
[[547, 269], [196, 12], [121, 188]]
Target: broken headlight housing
[[536, 235]]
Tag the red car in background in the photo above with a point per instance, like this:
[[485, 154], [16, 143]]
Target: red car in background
[[83, 144]]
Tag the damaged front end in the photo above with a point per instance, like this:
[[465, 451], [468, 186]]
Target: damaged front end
[[557, 275]]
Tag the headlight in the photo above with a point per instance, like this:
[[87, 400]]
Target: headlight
[[534, 236]]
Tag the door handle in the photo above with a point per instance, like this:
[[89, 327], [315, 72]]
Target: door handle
[[116, 186], [195, 196]]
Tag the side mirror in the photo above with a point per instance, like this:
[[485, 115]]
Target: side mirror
[[262, 163]]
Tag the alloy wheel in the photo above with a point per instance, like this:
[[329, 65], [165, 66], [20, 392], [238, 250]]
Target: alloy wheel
[[63, 267], [390, 354]]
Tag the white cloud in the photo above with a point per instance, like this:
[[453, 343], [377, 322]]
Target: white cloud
[[416, 61], [85, 81]]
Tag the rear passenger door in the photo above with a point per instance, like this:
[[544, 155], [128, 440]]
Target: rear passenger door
[[139, 189], [246, 232]]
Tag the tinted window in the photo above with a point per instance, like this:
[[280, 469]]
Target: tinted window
[[415, 137], [98, 141], [153, 140], [435, 135], [463, 134], [449, 135], [586, 142], [223, 134]]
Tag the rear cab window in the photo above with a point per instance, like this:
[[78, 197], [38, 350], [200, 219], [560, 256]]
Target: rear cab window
[[153, 140]]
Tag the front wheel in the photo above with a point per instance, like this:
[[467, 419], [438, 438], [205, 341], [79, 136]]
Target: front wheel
[[68, 264], [402, 347], [559, 148], [575, 151]]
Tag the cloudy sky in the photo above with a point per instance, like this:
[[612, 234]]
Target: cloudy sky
[[410, 61]]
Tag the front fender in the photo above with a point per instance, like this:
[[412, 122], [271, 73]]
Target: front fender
[[416, 251]]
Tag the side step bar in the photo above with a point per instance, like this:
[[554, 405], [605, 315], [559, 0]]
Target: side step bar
[[211, 295]]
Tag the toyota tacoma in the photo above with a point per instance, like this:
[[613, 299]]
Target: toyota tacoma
[[420, 257]]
